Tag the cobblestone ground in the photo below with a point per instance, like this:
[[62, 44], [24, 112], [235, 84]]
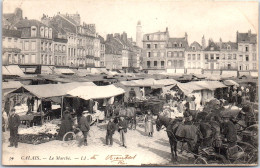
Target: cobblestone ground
[[141, 149]]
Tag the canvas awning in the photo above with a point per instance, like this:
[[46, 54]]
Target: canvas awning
[[95, 71], [96, 92], [139, 83], [46, 70], [53, 90], [11, 85], [230, 83], [15, 70], [5, 71], [63, 71]]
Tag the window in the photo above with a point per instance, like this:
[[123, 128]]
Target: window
[[169, 54], [254, 56], [254, 66], [148, 54], [148, 64], [148, 45], [198, 57], [147, 37], [228, 47], [181, 54], [194, 56], [33, 59], [223, 56], [181, 63], [50, 33], [240, 57], [162, 54], [155, 54], [162, 63], [155, 45], [26, 59], [59, 47], [33, 31], [33, 45], [155, 63], [169, 63], [217, 57], [26, 45], [175, 45], [206, 56], [229, 56], [175, 54], [10, 58], [175, 63], [42, 31], [247, 48], [189, 57], [254, 47], [193, 48], [46, 32], [212, 56], [180, 44], [234, 56], [247, 58]]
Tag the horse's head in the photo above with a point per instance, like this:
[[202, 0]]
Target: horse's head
[[159, 123]]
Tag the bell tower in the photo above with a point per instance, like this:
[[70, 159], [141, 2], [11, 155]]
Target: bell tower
[[139, 35]]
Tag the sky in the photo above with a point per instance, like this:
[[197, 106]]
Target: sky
[[213, 19]]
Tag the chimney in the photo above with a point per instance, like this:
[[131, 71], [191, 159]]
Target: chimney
[[166, 29], [220, 42], [186, 36], [124, 36], [249, 32], [203, 42]]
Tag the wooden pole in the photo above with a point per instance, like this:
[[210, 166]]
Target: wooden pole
[[41, 113], [61, 106]]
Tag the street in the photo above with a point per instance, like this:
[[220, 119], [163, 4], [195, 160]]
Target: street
[[140, 150]]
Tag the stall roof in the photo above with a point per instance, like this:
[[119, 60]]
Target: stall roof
[[165, 82], [230, 83], [46, 70], [53, 90], [96, 92], [5, 71], [190, 87], [15, 70], [11, 85], [63, 71], [139, 83]]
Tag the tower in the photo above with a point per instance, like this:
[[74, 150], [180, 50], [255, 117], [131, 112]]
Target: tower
[[139, 35], [203, 43]]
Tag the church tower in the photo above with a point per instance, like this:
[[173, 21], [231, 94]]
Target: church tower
[[139, 35]]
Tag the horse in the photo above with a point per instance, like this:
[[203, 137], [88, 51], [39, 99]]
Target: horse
[[173, 127], [130, 114]]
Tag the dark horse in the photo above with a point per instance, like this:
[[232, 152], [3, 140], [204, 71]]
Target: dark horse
[[173, 128]]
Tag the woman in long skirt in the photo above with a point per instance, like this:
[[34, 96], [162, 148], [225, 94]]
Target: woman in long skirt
[[66, 124], [149, 123]]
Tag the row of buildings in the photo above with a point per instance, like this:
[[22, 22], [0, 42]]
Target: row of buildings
[[62, 40], [163, 53]]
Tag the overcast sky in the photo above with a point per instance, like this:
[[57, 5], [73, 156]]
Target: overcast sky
[[212, 19]]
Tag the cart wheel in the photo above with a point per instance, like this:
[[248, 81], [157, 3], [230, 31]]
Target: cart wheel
[[69, 139], [200, 161]]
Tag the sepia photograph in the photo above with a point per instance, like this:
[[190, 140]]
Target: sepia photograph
[[130, 83]]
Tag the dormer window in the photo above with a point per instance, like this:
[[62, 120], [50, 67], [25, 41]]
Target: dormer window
[[46, 32], [42, 31], [33, 31], [228, 47], [148, 38], [175, 44], [50, 33], [180, 44], [193, 48]]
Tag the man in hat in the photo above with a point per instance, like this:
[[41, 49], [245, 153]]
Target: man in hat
[[229, 131], [14, 122], [84, 126], [122, 129], [111, 127]]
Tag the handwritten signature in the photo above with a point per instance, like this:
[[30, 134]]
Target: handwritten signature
[[120, 159]]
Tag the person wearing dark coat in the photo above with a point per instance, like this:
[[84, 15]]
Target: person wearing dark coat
[[229, 131], [122, 129], [84, 126], [28, 102], [111, 128], [32, 103], [66, 124], [14, 122]]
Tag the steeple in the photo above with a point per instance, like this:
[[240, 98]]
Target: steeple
[[139, 35], [203, 42]]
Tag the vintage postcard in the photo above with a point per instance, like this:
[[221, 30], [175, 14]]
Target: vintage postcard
[[129, 83]]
